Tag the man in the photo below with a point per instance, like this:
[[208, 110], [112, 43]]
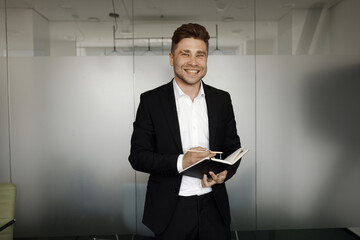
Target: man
[[185, 114]]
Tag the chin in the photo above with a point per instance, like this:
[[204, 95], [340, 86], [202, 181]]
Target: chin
[[192, 82]]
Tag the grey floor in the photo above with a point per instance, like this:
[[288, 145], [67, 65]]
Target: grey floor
[[313, 234], [306, 234]]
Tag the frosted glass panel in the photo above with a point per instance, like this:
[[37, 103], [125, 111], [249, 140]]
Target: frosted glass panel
[[307, 142], [4, 126], [4, 129], [71, 125], [235, 74]]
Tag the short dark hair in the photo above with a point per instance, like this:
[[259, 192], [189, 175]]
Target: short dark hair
[[190, 30]]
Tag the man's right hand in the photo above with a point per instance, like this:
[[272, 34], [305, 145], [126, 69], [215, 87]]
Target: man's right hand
[[194, 155]]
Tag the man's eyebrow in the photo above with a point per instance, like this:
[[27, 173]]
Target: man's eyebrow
[[198, 51]]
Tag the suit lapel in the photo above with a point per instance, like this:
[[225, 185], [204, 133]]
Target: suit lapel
[[169, 107], [211, 104]]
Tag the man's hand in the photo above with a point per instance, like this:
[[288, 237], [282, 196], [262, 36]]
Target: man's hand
[[215, 179], [194, 155]]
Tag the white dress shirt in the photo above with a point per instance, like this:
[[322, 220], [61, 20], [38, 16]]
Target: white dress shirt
[[194, 131]]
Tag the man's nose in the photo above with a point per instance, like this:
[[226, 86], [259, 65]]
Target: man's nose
[[193, 61]]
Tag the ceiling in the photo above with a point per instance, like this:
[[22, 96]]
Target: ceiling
[[88, 21], [167, 10]]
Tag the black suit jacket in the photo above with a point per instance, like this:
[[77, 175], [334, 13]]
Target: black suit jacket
[[156, 145]]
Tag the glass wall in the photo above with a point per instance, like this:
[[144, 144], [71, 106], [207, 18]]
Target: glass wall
[[72, 108], [307, 129], [4, 117], [72, 73]]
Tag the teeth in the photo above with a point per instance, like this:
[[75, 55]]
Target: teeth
[[192, 71]]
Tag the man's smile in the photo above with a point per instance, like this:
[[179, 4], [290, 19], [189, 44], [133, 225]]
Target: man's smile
[[192, 71]]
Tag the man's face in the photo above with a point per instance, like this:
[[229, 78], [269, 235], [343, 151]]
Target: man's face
[[189, 60]]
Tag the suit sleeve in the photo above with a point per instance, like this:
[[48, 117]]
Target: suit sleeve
[[143, 155], [232, 140]]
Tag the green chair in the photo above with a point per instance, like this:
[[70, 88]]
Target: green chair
[[7, 210]]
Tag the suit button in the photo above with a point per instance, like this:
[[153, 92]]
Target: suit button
[[176, 190]]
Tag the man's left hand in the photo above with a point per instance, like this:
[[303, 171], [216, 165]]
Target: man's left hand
[[215, 179]]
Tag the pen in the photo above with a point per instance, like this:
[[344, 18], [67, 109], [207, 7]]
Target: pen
[[204, 151]]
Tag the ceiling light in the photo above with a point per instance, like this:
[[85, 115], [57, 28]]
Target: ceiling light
[[115, 28], [66, 7], [236, 32], [221, 5], [228, 19], [114, 53], [289, 5], [114, 15], [93, 19], [149, 52]]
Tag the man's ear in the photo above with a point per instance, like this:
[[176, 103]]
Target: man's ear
[[171, 59]]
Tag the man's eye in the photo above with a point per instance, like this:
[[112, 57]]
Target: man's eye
[[185, 54]]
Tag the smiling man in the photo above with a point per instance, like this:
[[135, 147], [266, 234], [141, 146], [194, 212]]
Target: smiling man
[[185, 114]]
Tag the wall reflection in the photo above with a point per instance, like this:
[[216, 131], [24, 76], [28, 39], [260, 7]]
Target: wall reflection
[[331, 98]]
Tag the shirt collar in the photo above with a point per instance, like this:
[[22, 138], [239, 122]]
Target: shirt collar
[[179, 93]]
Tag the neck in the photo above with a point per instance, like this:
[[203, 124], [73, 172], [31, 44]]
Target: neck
[[192, 90]]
